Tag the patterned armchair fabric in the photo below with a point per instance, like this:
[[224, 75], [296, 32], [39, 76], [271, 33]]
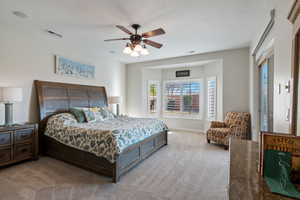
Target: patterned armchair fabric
[[235, 124]]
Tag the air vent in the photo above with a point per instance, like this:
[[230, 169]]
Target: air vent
[[20, 14], [54, 33]]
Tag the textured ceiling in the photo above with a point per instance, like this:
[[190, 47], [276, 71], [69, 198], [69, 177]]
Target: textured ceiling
[[190, 25]]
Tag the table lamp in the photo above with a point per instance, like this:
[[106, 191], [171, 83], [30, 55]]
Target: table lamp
[[115, 100], [8, 96]]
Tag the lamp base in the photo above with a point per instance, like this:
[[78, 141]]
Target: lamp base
[[118, 109], [9, 114]]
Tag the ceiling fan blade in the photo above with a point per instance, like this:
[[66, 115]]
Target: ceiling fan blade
[[116, 39], [124, 29], [152, 43], [153, 33]]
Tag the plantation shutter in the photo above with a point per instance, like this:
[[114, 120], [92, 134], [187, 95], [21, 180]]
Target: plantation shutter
[[182, 97], [212, 98]]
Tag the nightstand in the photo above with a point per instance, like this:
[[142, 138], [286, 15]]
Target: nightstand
[[18, 143]]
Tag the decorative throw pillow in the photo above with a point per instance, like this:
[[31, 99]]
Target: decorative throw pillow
[[78, 114], [95, 109], [97, 113], [107, 114], [89, 114]]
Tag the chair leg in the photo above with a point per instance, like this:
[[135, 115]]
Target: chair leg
[[208, 141]]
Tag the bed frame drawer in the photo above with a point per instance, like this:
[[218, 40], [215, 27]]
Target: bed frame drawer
[[161, 140], [129, 158], [147, 148], [138, 152]]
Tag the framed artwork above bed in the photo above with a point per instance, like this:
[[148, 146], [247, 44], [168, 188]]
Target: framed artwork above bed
[[67, 67]]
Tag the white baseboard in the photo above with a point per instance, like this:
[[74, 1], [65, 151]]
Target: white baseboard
[[187, 130]]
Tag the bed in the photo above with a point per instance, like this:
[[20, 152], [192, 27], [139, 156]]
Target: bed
[[56, 99]]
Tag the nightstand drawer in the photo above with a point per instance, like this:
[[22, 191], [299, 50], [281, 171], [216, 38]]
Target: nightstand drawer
[[5, 155], [24, 135], [23, 151], [5, 138]]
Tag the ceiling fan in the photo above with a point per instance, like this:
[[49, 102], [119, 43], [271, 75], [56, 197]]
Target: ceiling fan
[[138, 42]]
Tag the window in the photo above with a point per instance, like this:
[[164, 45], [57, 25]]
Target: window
[[183, 98], [153, 97], [212, 98]]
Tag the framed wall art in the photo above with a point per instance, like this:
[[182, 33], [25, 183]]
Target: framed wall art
[[67, 67]]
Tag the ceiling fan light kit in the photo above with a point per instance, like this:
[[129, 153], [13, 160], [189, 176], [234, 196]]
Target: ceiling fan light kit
[[127, 49], [135, 54], [137, 44], [144, 51], [138, 48]]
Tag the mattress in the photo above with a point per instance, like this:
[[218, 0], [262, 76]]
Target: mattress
[[105, 138]]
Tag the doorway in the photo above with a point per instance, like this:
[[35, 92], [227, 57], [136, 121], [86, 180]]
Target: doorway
[[266, 89]]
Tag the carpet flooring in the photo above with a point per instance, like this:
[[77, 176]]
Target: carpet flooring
[[187, 169]]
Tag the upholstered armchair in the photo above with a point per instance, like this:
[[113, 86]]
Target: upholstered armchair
[[236, 124]]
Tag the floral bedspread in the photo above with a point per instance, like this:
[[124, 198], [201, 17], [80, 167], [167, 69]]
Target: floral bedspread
[[103, 138]]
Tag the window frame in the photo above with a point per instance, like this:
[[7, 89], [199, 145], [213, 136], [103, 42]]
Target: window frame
[[183, 115], [214, 78]]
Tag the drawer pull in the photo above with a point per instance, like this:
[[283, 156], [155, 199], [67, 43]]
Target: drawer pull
[[24, 135], [24, 150]]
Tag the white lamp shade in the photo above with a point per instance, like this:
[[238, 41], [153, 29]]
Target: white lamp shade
[[10, 95], [115, 100]]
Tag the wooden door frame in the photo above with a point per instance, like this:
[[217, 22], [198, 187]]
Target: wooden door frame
[[295, 84], [295, 20]]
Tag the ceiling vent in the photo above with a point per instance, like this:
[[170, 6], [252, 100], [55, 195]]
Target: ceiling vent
[[54, 33], [20, 14]]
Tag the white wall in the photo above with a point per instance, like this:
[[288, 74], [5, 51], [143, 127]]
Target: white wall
[[235, 83], [280, 39], [26, 56]]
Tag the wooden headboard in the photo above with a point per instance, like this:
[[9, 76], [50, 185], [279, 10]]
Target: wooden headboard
[[60, 97]]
